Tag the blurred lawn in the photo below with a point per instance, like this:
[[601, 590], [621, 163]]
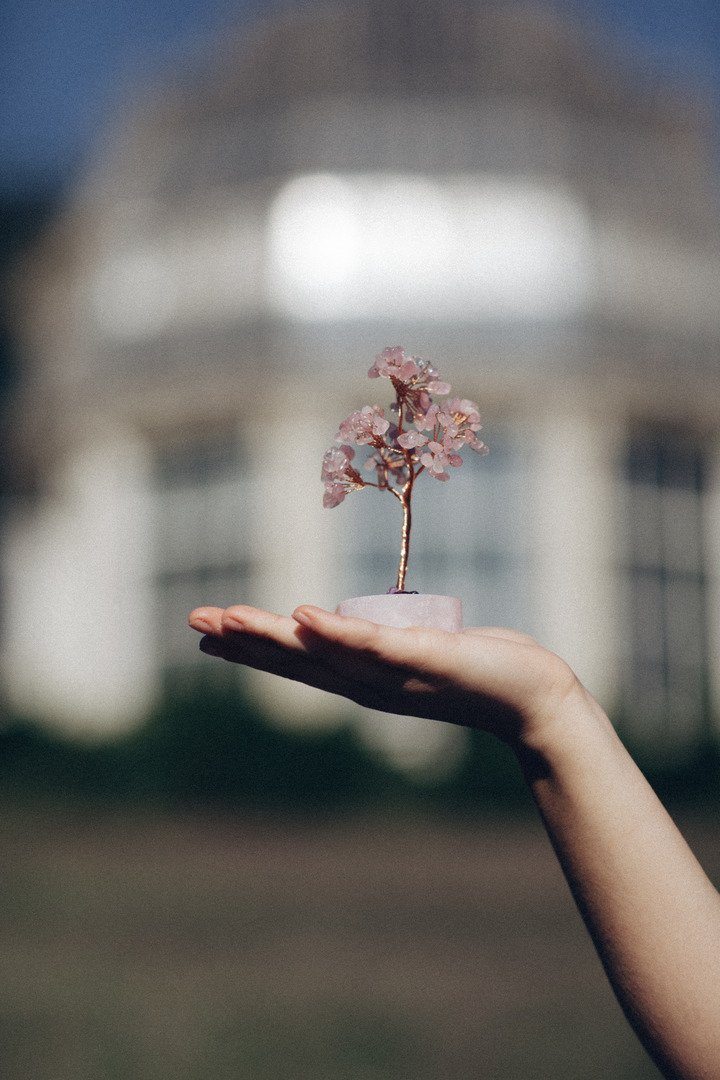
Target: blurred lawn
[[206, 947]]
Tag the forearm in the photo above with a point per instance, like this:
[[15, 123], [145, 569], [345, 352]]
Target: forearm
[[653, 914], [651, 910]]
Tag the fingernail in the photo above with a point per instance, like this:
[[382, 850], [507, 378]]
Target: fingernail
[[200, 620], [308, 614]]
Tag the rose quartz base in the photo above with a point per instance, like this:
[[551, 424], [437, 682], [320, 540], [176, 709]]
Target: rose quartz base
[[406, 609]]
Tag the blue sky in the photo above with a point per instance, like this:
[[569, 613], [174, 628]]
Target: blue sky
[[67, 61]]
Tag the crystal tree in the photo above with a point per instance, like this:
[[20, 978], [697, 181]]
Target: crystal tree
[[421, 436]]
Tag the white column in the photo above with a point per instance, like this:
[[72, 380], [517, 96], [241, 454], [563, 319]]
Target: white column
[[574, 526], [77, 609], [295, 544]]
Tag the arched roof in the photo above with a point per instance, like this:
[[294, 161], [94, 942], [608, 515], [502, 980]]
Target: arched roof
[[429, 46]]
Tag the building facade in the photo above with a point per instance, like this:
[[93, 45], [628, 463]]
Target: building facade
[[493, 189]]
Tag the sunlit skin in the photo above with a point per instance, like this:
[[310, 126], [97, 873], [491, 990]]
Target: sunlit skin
[[415, 672], [653, 914]]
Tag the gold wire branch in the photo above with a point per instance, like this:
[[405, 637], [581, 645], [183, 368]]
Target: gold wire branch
[[405, 497]]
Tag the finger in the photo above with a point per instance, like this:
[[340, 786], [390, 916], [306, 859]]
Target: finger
[[275, 643], [258, 625], [264, 656], [369, 641], [453, 665], [267, 656], [206, 620], [414, 659], [253, 637]]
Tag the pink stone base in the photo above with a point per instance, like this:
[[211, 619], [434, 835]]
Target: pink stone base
[[406, 609]]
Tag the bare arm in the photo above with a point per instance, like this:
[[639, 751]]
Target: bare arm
[[653, 914]]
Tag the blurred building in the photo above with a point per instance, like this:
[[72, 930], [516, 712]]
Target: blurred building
[[493, 188]]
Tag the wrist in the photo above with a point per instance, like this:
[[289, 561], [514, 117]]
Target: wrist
[[564, 723]]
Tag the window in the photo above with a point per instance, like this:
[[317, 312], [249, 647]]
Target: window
[[464, 247], [667, 677], [203, 544], [468, 538]]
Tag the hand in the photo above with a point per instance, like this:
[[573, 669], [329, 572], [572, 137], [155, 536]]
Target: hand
[[485, 677]]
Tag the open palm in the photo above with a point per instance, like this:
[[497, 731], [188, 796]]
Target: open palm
[[485, 677]]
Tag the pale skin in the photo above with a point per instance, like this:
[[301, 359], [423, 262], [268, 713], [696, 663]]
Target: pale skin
[[651, 911]]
